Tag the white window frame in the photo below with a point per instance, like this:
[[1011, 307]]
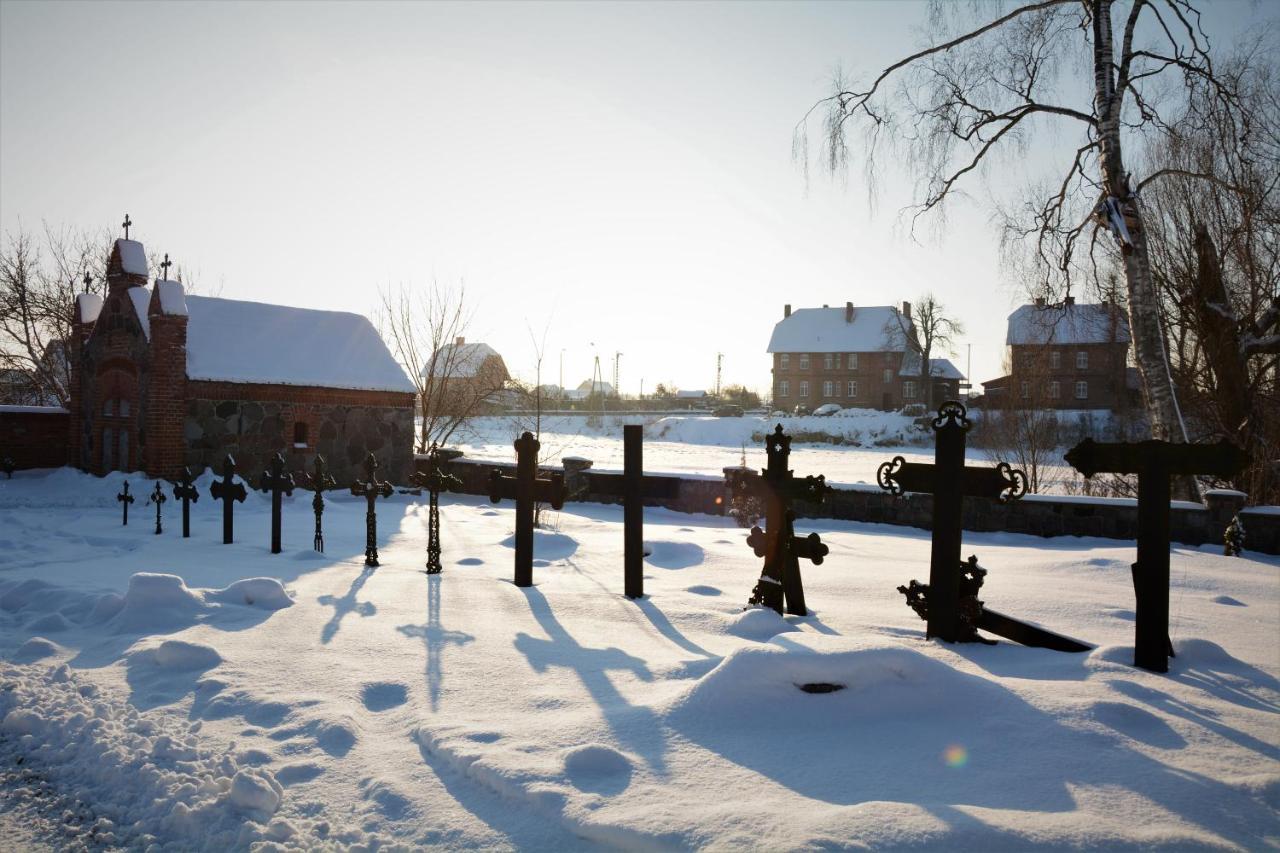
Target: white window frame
[[888, 376], [853, 361], [1082, 390], [784, 388], [784, 361], [828, 388], [1055, 390], [908, 390], [827, 361], [1055, 360], [804, 361], [1082, 359], [837, 361], [804, 389], [853, 388], [1026, 390]]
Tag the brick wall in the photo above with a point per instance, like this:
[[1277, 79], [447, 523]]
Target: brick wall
[[29, 435], [872, 391], [167, 397], [1104, 373]]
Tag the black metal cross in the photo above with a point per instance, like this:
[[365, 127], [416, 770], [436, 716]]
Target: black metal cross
[[526, 487], [370, 489], [88, 281], [633, 487], [164, 265], [227, 490], [435, 480], [7, 466], [126, 225], [1154, 462], [157, 498], [188, 494], [318, 481], [276, 480], [950, 482], [125, 499], [780, 582]]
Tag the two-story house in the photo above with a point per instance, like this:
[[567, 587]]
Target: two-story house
[[1065, 356], [855, 357]]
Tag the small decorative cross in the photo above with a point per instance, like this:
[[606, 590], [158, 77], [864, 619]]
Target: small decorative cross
[[125, 499], [276, 480], [227, 490], [126, 225], [164, 265], [88, 281], [371, 488], [157, 498], [318, 481], [188, 494], [436, 480]]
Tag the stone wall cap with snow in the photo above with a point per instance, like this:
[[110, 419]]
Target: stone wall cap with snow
[[173, 298], [133, 258], [33, 410]]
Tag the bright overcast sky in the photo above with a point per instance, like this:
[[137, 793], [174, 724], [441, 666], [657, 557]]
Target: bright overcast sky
[[618, 174]]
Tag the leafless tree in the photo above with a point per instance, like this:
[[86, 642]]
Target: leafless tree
[[985, 83], [930, 329], [423, 328], [1021, 427]]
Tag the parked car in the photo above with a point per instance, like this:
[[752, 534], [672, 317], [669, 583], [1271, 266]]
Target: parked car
[[778, 413], [800, 411], [827, 410], [728, 411]]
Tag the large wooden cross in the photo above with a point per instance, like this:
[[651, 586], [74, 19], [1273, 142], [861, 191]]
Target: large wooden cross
[[276, 480], [228, 491], [371, 488], [526, 487], [1154, 462], [634, 488], [188, 494], [435, 480], [157, 497], [950, 482], [125, 499], [318, 481], [780, 583]]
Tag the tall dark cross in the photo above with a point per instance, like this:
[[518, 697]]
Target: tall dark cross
[[950, 482], [526, 487], [186, 492], [126, 225], [318, 481], [633, 487], [88, 281], [227, 490], [125, 499], [435, 480], [157, 498], [7, 466], [1154, 462], [370, 489], [780, 583], [276, 480], [164, 265]]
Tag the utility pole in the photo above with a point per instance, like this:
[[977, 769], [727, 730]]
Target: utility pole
[[562, 375], [617, 388], [719, 365]]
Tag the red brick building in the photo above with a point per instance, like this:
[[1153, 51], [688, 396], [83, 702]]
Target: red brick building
[[1065, 357], [161, 379]]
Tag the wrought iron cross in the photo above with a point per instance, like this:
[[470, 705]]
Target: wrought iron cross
[[125, 499], [634, 488], [370, 489], [126, 225], [7, 466], [1154, 462], [276, 480], [88, 281], [164, 265], [157, 498], [435, 480], [780, 582], [950, 482], [318, 481], [228, 491], [188, 494], [526, 487]]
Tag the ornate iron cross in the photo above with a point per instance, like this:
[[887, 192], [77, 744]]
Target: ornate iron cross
[[125, 499], [7, 466], [949, 481], [780, 583], [526, 487], [633, 487], [276, 480], [318, 481], [188, 494], [157, 498], [1154, 462], [126, 225], [228, 491], [435, 480], [164, 265], [370, 489]]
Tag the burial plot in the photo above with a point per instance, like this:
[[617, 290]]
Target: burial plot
[[1154, 462], [157, 498], [780, 583], [277, 481], [188, 494], [228, 491], [318, 481], [949, 603], [526, 487], [125, 499], [435, 480], [633, 487], [371, 488]]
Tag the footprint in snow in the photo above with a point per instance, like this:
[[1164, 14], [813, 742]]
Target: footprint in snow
[[598, 769], [294, 774], [1226, 599], [470, 561], [702, 589], [383, 695]]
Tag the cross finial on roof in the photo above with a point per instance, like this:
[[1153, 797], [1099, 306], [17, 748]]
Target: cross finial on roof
[[164, 265], [88, 280], [126, 225]]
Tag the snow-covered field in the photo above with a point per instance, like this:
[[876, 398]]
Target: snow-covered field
[[153, 692]]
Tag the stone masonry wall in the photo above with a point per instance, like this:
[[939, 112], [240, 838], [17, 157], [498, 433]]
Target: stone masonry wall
[[33, 436]]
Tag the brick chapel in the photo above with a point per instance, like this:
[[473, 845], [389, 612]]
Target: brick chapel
[[162, 379]]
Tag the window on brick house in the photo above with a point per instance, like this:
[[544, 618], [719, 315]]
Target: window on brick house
[[299, 434], [853, 387], [804, 361], [1082, 390], [1082, 360], [124, 408], [784, 388], [837, 361], [1055, 360], [853, 361], [1026, 390], [804, 389], [827, 361], [784, 361], [888, 377], [109, 408], [908, 390], [1055, 390], [828, 388]]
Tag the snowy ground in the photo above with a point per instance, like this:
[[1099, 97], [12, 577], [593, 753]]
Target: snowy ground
[[337, 705]]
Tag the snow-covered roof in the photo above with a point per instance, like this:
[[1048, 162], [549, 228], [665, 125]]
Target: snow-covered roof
[[141, 298], [88, 307], [133, 258], [942, 368], [692, 394], [1068, 324], [588, 387], [235, 341], [459, 361], [874, 329], [173, 298]]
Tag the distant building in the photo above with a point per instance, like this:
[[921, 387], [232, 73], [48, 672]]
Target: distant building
[[693, 395], [855, 357], [1066, 357], [464, 378], [946, 378], [589, 387]]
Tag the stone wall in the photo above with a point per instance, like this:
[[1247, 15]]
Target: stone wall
[[34, 436]]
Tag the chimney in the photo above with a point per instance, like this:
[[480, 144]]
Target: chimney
[[786, 311], [848, 312], [906, 310], [1070, 300], [459, 341], [1039, 301]]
